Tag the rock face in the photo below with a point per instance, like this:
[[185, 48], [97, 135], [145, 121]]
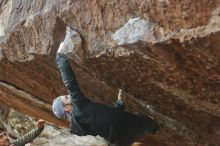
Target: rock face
[[164, 54], [51, 135]]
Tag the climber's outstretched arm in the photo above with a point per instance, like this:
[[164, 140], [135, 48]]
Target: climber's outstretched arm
[[68, 77]]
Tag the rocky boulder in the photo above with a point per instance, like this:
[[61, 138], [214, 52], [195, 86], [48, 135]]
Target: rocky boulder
[[164, 55]]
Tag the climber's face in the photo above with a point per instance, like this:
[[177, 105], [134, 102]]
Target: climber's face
[[62, 107], [67, 104], [4, 139]]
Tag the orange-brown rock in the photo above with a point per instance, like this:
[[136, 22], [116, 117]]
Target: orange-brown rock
[[170, 68]]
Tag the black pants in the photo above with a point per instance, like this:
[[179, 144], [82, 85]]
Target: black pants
[[135, 129]]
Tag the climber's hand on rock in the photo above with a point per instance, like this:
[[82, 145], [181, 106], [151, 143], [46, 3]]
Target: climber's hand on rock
[[66, 47], [119, 94], [62, 48]]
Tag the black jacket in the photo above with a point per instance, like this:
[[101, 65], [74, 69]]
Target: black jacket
[[90, 118]]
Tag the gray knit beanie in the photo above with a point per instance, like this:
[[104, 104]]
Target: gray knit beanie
[[58, 108]]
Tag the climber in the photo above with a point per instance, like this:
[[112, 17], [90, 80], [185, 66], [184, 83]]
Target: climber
[[90, 118], [21, 141]]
